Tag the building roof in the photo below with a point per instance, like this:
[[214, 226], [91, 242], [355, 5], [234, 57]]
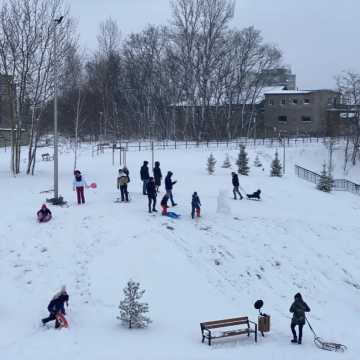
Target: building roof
[[295, 92]]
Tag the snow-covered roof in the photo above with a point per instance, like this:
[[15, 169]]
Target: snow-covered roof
[[288, 92]]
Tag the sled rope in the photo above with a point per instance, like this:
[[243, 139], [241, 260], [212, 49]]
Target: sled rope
[[325, 345]]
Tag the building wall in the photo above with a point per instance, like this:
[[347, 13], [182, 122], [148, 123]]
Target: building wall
[[307, 116]]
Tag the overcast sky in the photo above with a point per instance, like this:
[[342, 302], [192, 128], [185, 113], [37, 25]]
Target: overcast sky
[[319, 38]]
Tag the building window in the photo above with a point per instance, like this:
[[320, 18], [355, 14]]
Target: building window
[[283, 101], [282, 118], [295, 101], [271, 102], [306, 101], [305, 118]]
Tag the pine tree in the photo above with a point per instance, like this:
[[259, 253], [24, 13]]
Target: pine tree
[[226, 164], [257, 161], [242, 162], [131, 310], [276, 166], [211, 164], [326, 181]]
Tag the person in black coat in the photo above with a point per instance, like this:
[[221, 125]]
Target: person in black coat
[[56, 306], [169, 186], [195, 205], [157, 175], [151, 193], [236, 184], [298, 309], [144, 175]]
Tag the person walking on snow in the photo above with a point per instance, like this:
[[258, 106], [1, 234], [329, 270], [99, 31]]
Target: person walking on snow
[[79, 184], [298, 309], [44, 214], [169, 186], [122, 181], [56, 306], [236, 184], [164, 204], [151, 193], [157, 175], [195, 205], [144, 175]]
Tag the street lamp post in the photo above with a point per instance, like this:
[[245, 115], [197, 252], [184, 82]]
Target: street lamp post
[[56, 200]]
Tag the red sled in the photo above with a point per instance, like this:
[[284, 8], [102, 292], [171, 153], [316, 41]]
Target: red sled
[[93, 185], [60, 318]]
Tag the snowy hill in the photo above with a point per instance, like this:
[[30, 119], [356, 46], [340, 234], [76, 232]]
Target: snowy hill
[[295, 239]]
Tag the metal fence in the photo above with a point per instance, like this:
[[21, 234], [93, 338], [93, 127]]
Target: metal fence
[[338, 184]]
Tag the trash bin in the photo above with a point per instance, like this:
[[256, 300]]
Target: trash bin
[[264, 323]]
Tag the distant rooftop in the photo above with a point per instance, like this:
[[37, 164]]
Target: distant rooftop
[[294, 92]]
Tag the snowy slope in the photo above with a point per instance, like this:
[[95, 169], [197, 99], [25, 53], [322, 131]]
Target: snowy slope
[[296, 239]]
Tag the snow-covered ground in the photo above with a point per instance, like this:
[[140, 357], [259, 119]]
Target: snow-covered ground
[[295, 239]]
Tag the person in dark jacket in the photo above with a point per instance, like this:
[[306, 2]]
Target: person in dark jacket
[[298, 309], [56, 306], [195, 205], [144, 175], [164, 204], [151, 193], [236, 184], [169, 186], [157, 175], [44, 214]]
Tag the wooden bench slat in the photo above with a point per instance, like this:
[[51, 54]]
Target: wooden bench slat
[[219, 325], [243, 318]]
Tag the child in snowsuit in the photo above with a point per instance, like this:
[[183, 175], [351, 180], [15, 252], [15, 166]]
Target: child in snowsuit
[[151, 193], [298, 308], [56, 306], [164, 204], [195, 205], [44, 214], [122, 181], [78, 185]]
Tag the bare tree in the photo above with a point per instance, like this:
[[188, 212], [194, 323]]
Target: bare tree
[[348, 83], [26, 53]]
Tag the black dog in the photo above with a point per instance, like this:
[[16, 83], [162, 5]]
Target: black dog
[[254, 195]]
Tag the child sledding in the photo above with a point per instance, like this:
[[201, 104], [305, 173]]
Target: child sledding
[[255, 195], [44, 214]]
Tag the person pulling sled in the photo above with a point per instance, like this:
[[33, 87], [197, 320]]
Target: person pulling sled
[[298, 309], [236, 184], [79, 184], [56, 308]]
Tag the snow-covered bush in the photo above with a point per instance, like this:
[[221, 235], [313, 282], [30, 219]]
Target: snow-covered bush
[[226, 164], [211, 164], [326, 181], [243, 161], [257, 161], [131, 310], [276, 166]]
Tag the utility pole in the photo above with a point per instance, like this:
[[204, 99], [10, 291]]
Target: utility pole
[[56, 200]]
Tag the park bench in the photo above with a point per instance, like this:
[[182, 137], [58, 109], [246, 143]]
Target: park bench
[[228, 327], [46, 157]]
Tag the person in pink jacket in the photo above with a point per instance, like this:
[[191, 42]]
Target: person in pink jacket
[[79, 184]]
